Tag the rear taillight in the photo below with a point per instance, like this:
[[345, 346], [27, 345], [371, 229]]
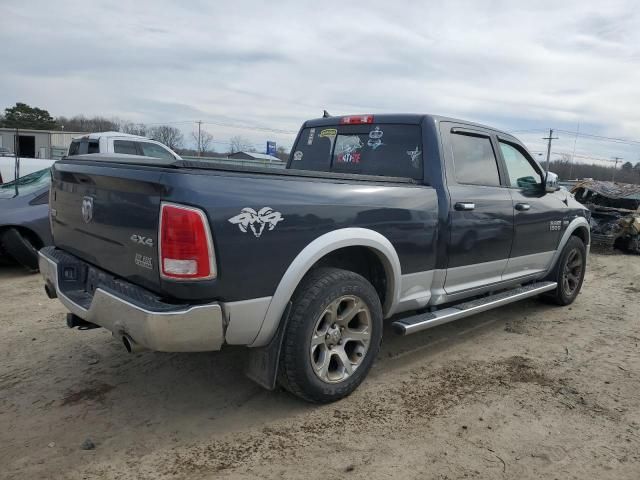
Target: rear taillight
[[186, 248], [356, 119]]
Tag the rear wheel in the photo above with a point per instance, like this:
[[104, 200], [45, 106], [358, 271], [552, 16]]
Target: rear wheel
[[569, 272], [332, 337]]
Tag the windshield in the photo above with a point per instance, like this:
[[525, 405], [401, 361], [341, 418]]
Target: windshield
[[27, 184]]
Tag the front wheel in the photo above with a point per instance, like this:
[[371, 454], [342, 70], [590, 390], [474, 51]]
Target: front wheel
[[569, 272], [332, 337]]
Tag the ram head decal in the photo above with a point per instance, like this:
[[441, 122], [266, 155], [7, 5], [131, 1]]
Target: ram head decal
[[249, 219]]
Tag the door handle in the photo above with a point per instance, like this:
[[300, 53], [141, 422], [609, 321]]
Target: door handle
[[522, 207], [464, 206]]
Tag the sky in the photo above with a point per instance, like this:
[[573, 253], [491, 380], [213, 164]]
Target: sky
[[259, 69]]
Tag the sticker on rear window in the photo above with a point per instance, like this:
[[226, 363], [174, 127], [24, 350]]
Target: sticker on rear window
[[375, 138], [297, 156], [312, 132], [349, 147], [328, 132], [414, 155]]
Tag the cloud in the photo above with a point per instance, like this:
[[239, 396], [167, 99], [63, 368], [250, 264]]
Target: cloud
[[515, 65]]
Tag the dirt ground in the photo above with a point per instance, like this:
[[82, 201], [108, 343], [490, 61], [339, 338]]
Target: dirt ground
[[526, 391]]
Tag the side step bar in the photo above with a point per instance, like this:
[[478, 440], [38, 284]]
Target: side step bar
[[422, 321]]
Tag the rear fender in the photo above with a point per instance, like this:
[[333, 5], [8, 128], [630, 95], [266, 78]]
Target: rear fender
[[309, 256]]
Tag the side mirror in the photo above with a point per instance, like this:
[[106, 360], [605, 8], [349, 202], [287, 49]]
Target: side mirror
[[551, 183]]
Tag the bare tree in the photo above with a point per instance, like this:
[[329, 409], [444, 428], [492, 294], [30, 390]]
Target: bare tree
[[80, 123], [206, 139], [239, 144], [282, 154], [134, 128], [170, 136]]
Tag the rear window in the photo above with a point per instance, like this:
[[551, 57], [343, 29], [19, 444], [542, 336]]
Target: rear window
[[84, 146], [386, 149], [74, 148]]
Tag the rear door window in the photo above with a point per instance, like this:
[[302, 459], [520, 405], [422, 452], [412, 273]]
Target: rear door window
[[474, 160], [385, 150], [126, 147]]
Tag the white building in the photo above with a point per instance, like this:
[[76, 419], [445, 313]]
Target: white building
[[37, 143]]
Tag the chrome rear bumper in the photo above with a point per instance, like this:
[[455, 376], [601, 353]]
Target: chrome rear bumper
[[194, 328]]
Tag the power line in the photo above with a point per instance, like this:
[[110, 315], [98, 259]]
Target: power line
[[627, 141]]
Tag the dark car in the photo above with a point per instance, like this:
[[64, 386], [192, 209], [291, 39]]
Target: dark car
[[24, 218], [418, 219]]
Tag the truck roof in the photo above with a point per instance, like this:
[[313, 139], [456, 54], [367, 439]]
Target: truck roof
[[406, 118], [98, 135]]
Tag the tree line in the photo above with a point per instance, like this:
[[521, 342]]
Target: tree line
[[568, 170], [24, 116]]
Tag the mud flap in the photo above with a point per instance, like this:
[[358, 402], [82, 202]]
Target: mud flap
[[262, 362], [20, 249]]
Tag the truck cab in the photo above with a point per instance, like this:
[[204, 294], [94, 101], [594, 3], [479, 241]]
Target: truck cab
[[120, 143]]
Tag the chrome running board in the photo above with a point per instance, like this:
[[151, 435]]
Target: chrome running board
[[422, 321]]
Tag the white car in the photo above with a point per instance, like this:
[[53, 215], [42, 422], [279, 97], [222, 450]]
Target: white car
[[120, 143]]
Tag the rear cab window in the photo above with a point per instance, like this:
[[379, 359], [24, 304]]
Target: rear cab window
[[393, 150], [84, 146]]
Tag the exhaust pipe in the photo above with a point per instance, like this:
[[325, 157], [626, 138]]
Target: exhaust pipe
[[131, 345]]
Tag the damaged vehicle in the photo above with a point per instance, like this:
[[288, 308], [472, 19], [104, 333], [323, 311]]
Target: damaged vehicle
[[615, 213], [418, 219], [24, 218]]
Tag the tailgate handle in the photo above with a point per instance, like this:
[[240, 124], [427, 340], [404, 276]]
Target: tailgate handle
[[464, 206]]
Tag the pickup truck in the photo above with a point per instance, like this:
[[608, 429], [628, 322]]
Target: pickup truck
[[418, 219], [120, 144]]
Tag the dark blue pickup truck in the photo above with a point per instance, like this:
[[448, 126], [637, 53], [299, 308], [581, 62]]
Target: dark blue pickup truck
[[375, 215]]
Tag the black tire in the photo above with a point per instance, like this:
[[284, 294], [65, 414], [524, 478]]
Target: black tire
[[20, 248], [319, 291], [569, 272]]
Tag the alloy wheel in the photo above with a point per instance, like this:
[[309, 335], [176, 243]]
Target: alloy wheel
[[340, 339]]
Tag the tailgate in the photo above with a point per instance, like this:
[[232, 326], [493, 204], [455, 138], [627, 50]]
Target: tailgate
[[107, 215]]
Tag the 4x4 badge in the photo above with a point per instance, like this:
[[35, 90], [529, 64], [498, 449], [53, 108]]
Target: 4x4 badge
[[256, 221]]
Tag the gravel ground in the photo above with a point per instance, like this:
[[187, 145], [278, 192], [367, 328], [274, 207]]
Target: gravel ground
[[526, 391]]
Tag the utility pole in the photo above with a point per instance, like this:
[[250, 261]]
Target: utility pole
[[16, 151], [615, 167], [573, 155], [549, 138], [199, 141]]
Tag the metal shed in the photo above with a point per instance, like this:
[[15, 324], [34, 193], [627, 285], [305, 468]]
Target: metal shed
[[51, 144]]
